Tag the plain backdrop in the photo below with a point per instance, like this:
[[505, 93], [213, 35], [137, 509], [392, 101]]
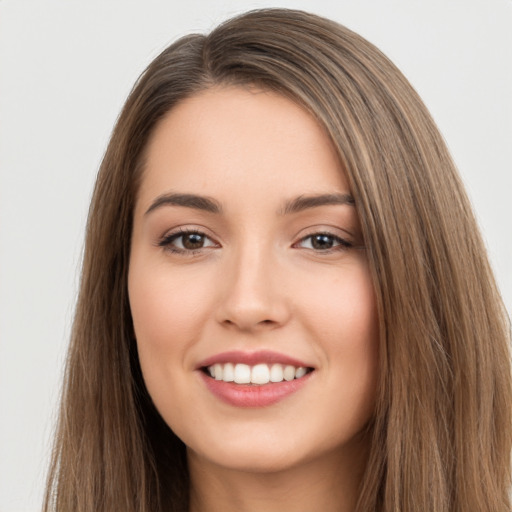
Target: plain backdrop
[[65, 69]]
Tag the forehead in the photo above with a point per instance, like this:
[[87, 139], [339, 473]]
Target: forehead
[[241, 142]]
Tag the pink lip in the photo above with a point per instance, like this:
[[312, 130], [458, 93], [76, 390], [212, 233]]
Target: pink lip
[[250, 395], [252, 358]]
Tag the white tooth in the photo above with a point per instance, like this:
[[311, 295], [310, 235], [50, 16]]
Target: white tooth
[[229, 373], [211, 371], [300, 372], [242, 374], [217, 369], [289, 372], [260, 374], [276, 373]]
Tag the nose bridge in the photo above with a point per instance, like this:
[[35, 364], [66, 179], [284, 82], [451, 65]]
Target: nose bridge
[[253, 297]]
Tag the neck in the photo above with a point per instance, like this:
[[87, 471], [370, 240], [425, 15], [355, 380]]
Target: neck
[[329, 483]]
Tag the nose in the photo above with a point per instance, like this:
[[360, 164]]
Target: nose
[[254, 296]]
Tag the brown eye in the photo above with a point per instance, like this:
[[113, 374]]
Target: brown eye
[[186, 241], [324, 242], [193, 241]]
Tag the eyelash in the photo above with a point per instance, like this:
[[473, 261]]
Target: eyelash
[[342, 244], [167, 242]]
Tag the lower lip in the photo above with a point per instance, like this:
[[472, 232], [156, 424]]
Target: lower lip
[[246, 395]]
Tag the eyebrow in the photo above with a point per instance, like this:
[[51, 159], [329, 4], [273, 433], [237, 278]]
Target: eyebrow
[[210, 205], [313, 201], [204, 203]]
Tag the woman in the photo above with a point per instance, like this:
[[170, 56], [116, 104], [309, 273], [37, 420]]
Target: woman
[[285, 301]]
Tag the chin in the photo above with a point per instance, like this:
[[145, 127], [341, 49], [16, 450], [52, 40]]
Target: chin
[[268, 452], [257, 459]]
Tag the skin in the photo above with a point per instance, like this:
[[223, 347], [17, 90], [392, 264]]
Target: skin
[[257, 283]]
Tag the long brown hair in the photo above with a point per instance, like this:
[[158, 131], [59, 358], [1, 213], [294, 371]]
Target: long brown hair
[[442, 426]]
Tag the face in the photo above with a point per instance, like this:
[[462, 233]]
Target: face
[[249, 288]]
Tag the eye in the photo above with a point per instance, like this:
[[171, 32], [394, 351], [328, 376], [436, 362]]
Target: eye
[[323, 242], [186, 241]]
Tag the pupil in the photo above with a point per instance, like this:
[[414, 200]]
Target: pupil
[[193, 241], [322, 242]]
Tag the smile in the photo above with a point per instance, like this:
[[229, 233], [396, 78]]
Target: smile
[[256, 379], [258, 374]]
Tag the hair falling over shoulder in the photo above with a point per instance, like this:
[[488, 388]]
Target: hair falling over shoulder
[[442, 429]]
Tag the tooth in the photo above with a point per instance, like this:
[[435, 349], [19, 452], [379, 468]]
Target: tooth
[[217, 369], [242, 374], [289, 372], [229, 373], [300, 372], [260, 374], [276, 373]]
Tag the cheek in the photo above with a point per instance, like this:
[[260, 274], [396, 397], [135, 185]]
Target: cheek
[[341, 314], [358, 328], [168, 313], [342, 308]]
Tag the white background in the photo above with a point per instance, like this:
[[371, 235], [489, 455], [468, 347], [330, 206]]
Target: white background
[[65, 69]]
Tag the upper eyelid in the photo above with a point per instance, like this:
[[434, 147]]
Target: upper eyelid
[[179, 233], [326, 233], [335, 231], [342, 241], [181, 230]]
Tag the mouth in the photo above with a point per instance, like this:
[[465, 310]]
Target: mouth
[[256, 379], [256, 375]]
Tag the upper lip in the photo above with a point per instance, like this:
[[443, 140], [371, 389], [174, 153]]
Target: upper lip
[[252, 358]]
